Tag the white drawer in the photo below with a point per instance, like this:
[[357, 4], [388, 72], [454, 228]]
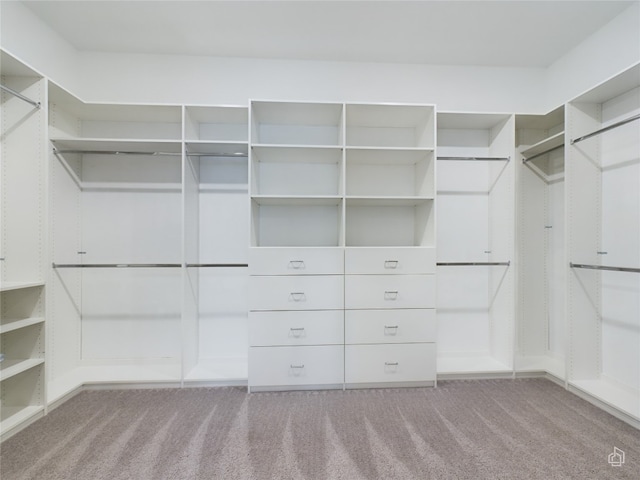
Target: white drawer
[[294, 366], [296, 261], [390, 326], [323, 292], [296, 328], [415, 362], [390, 291], [395, 260]]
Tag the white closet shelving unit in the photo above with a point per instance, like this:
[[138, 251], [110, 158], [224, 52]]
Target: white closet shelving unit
[[390, 324], [603, 281], [541, 331], [116, 223], [23, 245], [476, 219], [216, 244], [296, 300]]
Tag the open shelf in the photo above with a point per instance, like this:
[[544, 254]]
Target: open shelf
[[8, 325], [472, 365], [8, 286], [617, 396], [12, 367], [291, 123], [216, 124]]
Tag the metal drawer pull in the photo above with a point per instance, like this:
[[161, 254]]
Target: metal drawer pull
[[297, 264], [391, 327], [391, 294], [297, 329], [297, 296], [297, 332], [391, 364], [391, 264], [297, 366]]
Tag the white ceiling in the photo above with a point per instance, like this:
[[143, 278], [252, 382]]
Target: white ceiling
[[490, 33]]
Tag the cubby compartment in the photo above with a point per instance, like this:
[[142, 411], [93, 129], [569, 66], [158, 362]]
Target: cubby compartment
[[476, 245], [216, 124], [291, 123], [22, 398], [296, 171], [397, 222], [395, 126], [296, 222], [603, 230], [389, 173], [70, 118], [541, 325], [22, 349]]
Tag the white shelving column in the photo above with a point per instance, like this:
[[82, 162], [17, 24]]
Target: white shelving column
[[603, 218], [296, 259], [476, 219], [117, 243], [216, 251], [22, 245], [542, 263], [390, 324]]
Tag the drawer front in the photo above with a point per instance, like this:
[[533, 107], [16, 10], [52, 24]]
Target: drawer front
[[325, 292], [390, 363], [296, 261], [390, 326], [385, 261], [296, 328], [282, 366], [390, 291]]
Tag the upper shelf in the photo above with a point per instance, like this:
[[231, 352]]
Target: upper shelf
[[545, 146], [6, 286], [107, 145]]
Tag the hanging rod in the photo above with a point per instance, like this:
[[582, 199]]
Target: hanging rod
[[218, 154], [117, 265], [477, 159], [20, 96], [115, 152], [604, 267], [217, 265], [610, 127], [467, 264], [525, 160]]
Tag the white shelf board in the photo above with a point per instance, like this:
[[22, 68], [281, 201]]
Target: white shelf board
[[297, 113], [612, 87], [136, 186], [386, 156], [296, 201], [218, 148], [7, 286], [467, 121], [219, 370], [118, 144], [624, 399], [13, 367], [286, 146], [296, 154], [359, 201], [10, 325], [387, 115], [541, 363], [14, 416], [470, 365], [228, 115], [549, 143]]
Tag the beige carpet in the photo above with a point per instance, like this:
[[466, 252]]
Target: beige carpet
[[489, 429]]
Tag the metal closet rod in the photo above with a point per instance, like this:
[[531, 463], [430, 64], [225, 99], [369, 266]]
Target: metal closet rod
[[602, 130], [117, 265], [605, 267], [477, 159], [525, 160], [472, 264], [219, 154], [217, 265], [20, 96]]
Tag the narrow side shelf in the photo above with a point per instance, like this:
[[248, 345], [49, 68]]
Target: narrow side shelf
[[14, 416], [545, 146], [12, 367], [16, 324], [7, 286]]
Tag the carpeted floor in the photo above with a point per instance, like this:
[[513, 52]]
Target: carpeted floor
[[481, 429]]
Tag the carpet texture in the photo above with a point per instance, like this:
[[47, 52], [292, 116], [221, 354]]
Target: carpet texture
[[480, 429]]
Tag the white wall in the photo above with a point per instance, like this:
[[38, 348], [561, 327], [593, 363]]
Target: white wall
[[26, 37], [98, 77], [607, 52], [207, 80]]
